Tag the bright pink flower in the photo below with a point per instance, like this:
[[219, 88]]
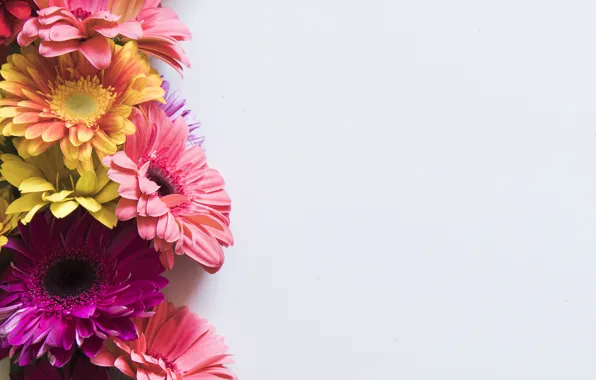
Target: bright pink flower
[[168, 187], [174, 344], [13, 14], [69, 25]]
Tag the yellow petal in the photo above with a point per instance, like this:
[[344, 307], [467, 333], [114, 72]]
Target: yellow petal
[[25, 203], [107, 215], [32, 213], [86, 184], [34, 185], [63, 209], [108, 193], [89, 203], [122, 110], [56, 197], [9, 111], [102, 176], [129, 127], [3, 241], [16, 171]]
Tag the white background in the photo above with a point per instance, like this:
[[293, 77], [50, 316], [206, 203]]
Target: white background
[[414, 186]]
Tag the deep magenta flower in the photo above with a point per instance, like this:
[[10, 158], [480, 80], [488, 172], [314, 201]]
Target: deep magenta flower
[[74, 282], [82, 369]]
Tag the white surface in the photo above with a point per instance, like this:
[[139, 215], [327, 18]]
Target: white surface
[[414, 186]]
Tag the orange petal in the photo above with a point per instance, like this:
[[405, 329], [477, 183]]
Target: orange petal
[[27, 118], [54, 132], [35, 130]]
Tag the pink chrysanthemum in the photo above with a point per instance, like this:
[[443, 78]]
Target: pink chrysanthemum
[[65, 26], [74, 282], [174, 344], [169, 188]]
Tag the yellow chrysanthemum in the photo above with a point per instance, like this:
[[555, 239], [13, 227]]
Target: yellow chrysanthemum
[[67, 101], [8, 222], [44, 180]]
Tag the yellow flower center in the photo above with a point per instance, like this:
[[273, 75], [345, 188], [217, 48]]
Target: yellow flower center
[[82, 101]]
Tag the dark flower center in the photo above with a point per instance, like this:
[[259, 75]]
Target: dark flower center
[[162, 180], [69, 278], [81, 14]]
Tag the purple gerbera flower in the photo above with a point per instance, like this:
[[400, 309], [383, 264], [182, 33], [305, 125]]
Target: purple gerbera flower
[[175, 107], [81, 369], [74, 282]]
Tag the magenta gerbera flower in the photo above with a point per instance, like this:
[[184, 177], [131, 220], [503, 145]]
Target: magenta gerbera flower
[[179, 202], [74, 282]]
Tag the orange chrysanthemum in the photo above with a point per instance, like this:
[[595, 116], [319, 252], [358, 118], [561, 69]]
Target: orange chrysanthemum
[[66, 100]]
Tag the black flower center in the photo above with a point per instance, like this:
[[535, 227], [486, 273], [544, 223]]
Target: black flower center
[[70, 278], [162, 180]]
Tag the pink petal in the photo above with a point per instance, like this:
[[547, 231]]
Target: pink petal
[[168, 229], [126, 209], [104, 359], [146, 227], [174, 200], [64, 32], [122, 160], [147, 186], [54, 49], [156, 207], [131, 29], [97, 51]]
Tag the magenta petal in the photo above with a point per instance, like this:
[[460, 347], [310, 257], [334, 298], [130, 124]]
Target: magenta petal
[[92, 346], [59, 357], [128, 330], [85, 328], [84, 311]]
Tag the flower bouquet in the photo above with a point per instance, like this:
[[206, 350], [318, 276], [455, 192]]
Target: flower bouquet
[[103, 183]]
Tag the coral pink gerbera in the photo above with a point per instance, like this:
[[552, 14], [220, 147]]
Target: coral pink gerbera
[[86, 25], [168, 187], [174, 344]]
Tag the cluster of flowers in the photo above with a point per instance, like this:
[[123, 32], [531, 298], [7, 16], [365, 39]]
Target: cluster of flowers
[[103, 183]]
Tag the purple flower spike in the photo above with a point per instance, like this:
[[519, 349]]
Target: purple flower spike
[[74, 282], [175, 107]]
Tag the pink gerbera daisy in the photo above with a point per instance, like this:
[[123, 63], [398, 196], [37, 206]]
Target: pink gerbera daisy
[[169, 188], [65, 26], [174, 344]]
